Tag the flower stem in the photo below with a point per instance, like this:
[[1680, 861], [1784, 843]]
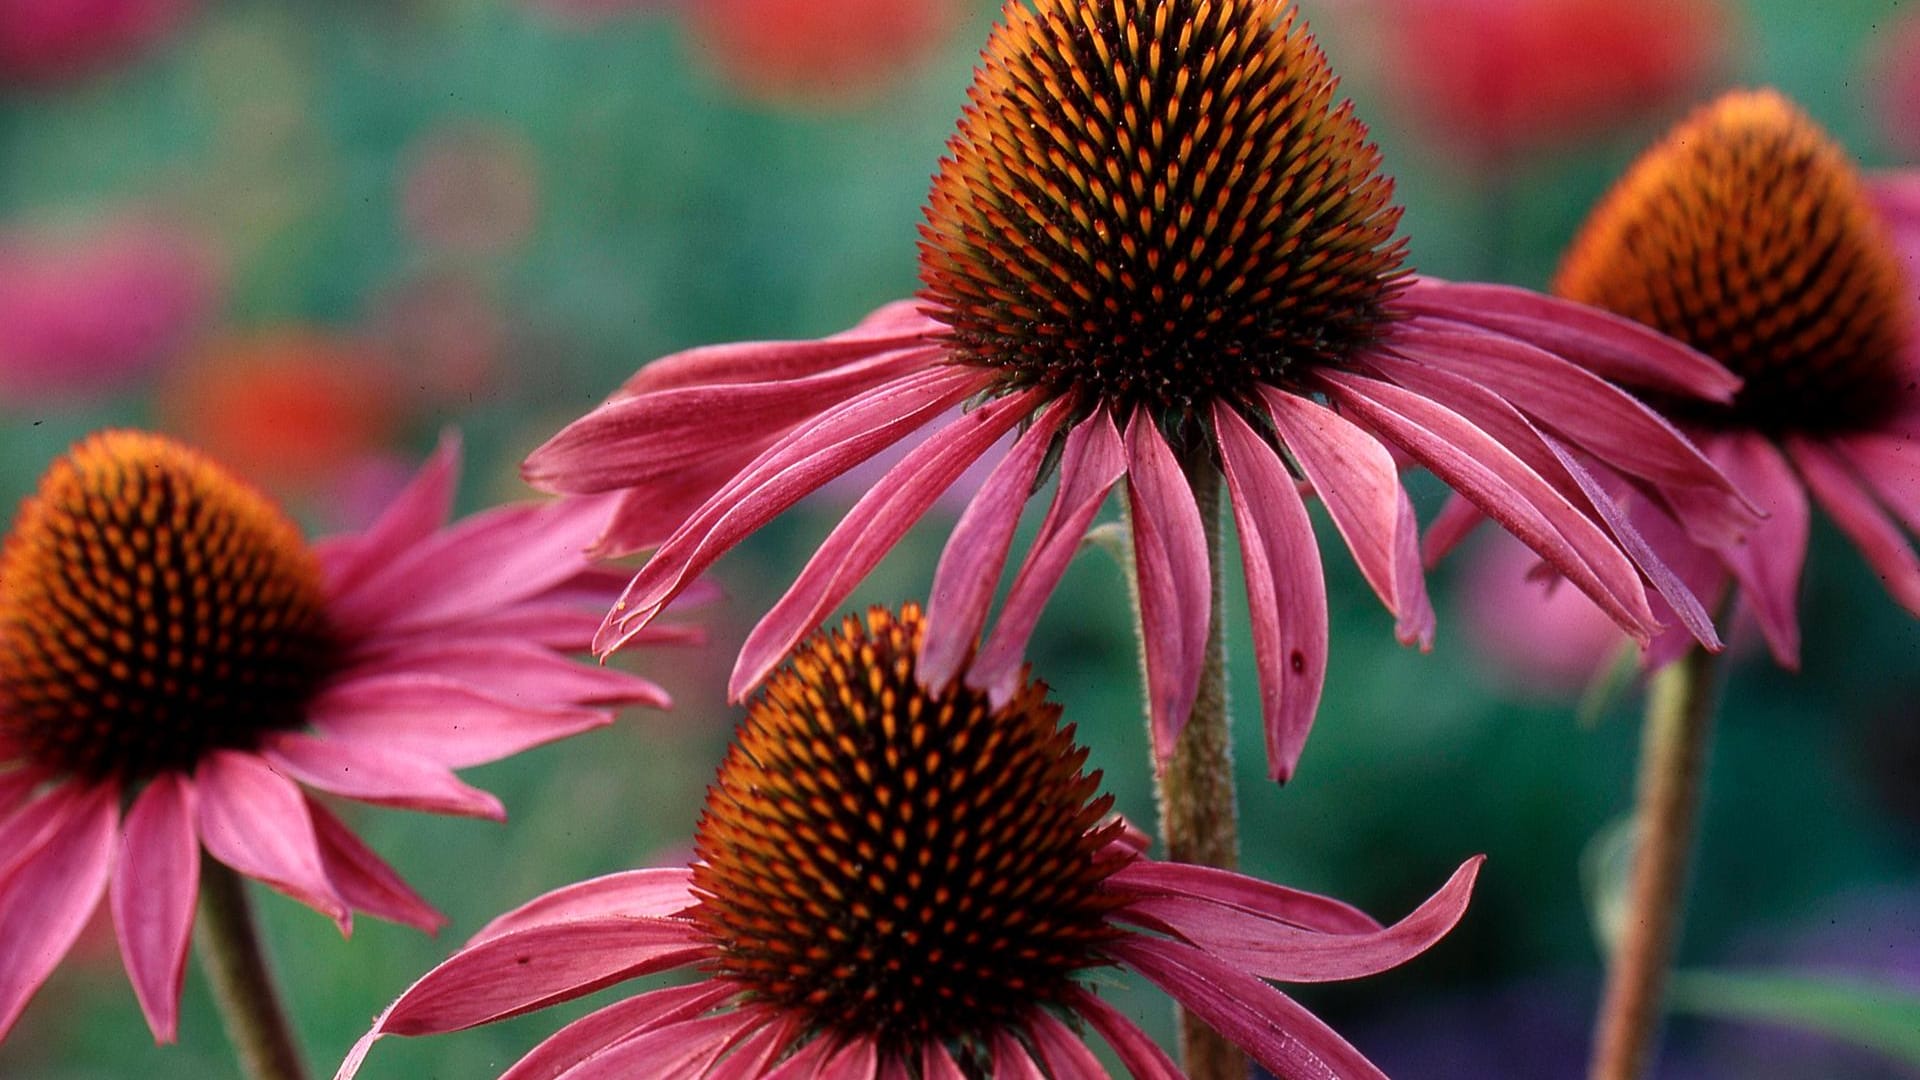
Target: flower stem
[[1199, 821], [1673, 766], [236, 965]]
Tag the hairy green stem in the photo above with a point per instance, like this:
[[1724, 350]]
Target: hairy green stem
[[1673, 765], [236, 966]]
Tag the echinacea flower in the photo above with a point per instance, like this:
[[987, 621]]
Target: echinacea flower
[[1157, 247], [896, 881], [178, 666], [1748, 234]]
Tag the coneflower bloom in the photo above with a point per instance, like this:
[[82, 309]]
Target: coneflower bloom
[[896, 881], [1157, 247], [1748, 234], [178, 666]]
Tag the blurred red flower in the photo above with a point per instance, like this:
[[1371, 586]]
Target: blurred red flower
[[819, 50], [50, 41]]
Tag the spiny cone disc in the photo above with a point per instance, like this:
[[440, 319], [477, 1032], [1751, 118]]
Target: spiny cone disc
[[152, 607], [898, 864], [1159, 203], [1747, 234]]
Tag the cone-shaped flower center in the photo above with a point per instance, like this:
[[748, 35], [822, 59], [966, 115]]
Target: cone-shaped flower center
[[1747, 235], [896, 864], [152, 607], [1157, 202]]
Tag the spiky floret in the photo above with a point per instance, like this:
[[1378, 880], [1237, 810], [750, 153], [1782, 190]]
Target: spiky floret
[[1157, 202], [1747, 234], [899, 864], [152, 607]]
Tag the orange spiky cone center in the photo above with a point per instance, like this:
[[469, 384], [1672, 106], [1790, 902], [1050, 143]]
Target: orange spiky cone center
[[902, 865], [152, 608], [1748, 235], [1157, 203]]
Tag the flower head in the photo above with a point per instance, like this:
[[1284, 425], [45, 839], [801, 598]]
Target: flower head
[[169, 641], [892, 878], [1748, 234], [1161, 251]]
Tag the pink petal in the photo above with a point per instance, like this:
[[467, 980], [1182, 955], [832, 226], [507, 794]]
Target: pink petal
[[859, 1059], [1062, 1051], [1615, 348], [364, 880], [809, 1064], [15, 785], [976, 553], [1283, 1037], [518, 671], [1767, 565], [1260, 944], [1309, 911], [1286, 594], [1357, 480], [754, 1054], [800, 462], [1176, 583], [1143, 1058], [1011, 1061], [598, 1030], [420, 508], [870, 530], [1840, 491], [152, 897], [26, 831], [532, 969], [1090, 464], [255, 820], [650, 893], [896, 325], [1504, 487], [937, 1064], [683, 1050], [1890, 464], [1455, 522], [50, 894], [440, 720], [378, 775]]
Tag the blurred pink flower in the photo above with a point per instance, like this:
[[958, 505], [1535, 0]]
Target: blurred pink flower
[[1896, 78], [50, 41], [470, 189], [893, 882], [367, 667], [1536, 635], [88, 315], [1496, 79]]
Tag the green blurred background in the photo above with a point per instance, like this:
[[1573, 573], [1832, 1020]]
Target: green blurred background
[[382, 218]]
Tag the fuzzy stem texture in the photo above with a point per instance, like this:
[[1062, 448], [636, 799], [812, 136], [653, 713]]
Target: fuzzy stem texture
[[1199, 819], [236, 966], [1673, 765]]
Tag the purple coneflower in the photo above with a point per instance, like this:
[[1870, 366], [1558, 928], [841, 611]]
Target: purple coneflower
[[1158, 247], [894, 882], [177, 664], [1748, 234]]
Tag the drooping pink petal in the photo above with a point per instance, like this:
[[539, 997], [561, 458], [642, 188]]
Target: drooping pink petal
[[364, 880], [514, 670], [1272, 948], [420, 508], [870, 530], [1176, 582], [976, 553], [1092, 461], [441, 720], [532, 969], [754, 1054], [650, 893], [1357, 480], [382, 776], [1854, 509], [1286, 594], [23, 833], [255, 820], [48, 897], [859, 1059], [1275, 1031], [800, 462], [1615, 348], [1011, 1060], [1506, 489], [898, 325], [1061, 1051], [1153, 879], [566, 627], [1142, 1056], [810, 1063], [1890, 465], [600, 1029], [154, 889], [1767, 565], [681, 1050]]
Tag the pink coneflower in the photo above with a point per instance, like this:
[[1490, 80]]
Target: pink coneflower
[[1157, 248], [1748, 234], [178, 666], [895, 881]]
